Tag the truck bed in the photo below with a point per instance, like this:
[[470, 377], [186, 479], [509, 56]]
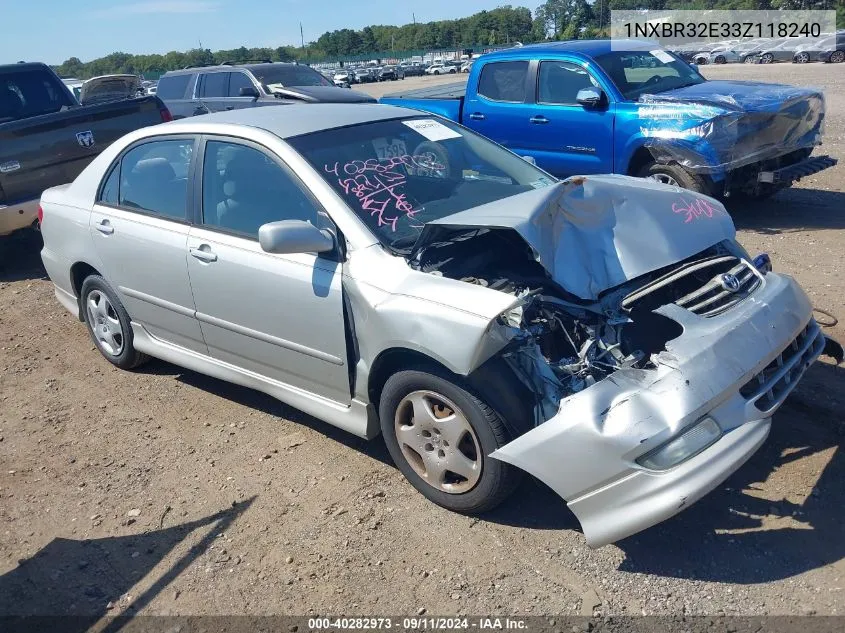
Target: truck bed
[[447, 100]]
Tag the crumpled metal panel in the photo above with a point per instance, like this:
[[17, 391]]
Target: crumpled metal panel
[[720, 126], [592, 233]]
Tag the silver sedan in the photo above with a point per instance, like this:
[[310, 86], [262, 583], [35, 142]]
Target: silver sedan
[[393, 273]]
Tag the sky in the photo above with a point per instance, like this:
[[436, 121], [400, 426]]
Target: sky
[[52, 30]]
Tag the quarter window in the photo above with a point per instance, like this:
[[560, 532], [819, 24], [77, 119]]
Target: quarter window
[[154, 178], [504, 81], [559, 82], [244, 188], [109, 191]]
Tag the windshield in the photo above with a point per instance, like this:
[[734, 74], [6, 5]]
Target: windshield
[[636, 73], [278, 76], [397, 175]]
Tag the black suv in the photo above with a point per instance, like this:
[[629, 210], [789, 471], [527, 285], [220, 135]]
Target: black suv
[[194, 91]]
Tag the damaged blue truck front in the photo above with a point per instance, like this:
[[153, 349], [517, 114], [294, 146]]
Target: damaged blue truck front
[[584, 107]]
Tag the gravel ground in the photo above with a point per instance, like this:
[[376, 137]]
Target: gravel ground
[[161, 491]]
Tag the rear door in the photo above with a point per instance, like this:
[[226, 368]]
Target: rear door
[[280, 316], [139, 227], [213, 93], [498, 108], [564, 137]]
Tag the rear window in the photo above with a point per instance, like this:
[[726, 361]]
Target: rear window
[[282, 75], [173, 87], [29, 93]]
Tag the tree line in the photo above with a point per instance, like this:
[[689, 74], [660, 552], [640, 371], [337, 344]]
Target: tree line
[[552, 20]]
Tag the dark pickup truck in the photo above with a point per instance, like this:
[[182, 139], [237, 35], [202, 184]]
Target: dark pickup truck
[[47, 138]]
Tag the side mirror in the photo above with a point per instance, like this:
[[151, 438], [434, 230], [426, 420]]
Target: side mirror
[[294, 236], [591, 98], [249, 91]]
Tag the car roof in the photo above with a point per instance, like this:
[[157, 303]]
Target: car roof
[[225, 67], [589, 48], [286, 121]]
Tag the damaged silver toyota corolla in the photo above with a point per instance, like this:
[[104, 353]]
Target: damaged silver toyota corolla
[[391, 272]]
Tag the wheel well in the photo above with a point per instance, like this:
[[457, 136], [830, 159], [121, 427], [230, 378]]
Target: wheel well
[[494, 382], [642, 157], [78, 273]]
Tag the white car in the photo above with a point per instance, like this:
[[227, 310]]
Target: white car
[[440, 69]]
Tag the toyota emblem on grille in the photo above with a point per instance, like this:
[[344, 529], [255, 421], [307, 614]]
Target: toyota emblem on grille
[[729, 282]]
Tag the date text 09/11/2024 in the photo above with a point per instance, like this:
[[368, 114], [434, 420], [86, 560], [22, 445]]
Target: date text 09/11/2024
[[421, 623]]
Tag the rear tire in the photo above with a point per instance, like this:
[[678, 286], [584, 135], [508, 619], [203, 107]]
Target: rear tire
[[425, 453], [720, 59], [674, 175], [768, 58], [109, 324], [837, 57]]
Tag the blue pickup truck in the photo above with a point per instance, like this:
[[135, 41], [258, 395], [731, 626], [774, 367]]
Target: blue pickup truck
[[584, 107]]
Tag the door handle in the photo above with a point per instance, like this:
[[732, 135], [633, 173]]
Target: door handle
[[476, 116], [539, 119], [204, 254], [105, 227]]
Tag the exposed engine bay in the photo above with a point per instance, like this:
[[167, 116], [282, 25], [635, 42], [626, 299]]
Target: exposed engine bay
[[560, 344]]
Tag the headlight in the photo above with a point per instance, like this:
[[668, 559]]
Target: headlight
[[689, 443]]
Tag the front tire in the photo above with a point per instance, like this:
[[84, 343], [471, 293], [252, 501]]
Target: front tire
[[768, 58], [440, 436], [720, 59], [109, 324], [674, 175], [837, 57]]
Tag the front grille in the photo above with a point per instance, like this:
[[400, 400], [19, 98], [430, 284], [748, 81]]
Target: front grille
[[713, 298], [699, 287], [770, 387]]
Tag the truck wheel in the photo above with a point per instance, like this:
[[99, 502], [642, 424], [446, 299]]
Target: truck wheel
[[674, 175], [109, 324], [440, 436]]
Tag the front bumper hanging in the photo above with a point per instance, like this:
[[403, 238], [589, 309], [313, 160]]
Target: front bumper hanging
[[797, 171]]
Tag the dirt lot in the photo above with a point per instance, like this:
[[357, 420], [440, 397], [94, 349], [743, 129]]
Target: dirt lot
[[163, 491]]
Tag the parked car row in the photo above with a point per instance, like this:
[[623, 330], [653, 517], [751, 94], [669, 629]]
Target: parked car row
[[829, 49]]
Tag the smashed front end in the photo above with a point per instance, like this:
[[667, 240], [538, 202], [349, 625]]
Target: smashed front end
[[654, 374]]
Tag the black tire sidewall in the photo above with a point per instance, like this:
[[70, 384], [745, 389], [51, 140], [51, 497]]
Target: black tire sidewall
[[128, 357], [497, 479]]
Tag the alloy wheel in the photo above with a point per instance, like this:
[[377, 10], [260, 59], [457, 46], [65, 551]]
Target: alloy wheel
[[438, 442], [665, 179], [103, 321]]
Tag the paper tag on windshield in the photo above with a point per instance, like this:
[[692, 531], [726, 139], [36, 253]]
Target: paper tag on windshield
[[663, 56], [431, 129]]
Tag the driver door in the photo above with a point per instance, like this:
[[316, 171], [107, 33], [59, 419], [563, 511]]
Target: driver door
[[278, 316], [563, 136]]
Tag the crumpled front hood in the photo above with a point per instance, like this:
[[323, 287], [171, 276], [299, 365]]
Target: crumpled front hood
[[320, 94], [748, 96], [592, 233]]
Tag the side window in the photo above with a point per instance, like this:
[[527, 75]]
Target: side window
[[238, 81], [559, 82], [154, 178], [109, 190], [504, 81], [215, 85], [173, 87], [243, 188]]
